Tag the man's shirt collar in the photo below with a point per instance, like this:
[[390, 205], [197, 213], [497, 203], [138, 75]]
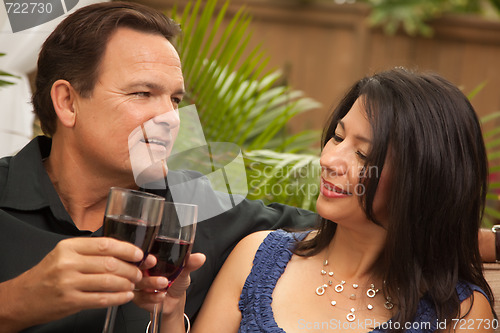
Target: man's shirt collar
[[25, 185]]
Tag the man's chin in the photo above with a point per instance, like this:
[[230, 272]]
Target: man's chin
[[152, 175]]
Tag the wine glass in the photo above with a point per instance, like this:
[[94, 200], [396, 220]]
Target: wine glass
[[172, 247], [135, 217]]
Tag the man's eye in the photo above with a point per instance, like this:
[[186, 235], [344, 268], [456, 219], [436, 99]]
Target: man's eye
[[142, 93], [176, 100]]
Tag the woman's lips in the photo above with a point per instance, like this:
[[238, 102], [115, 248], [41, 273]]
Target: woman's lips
[[332, 191]]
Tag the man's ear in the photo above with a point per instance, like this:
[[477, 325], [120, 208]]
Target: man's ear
[[63, 98]]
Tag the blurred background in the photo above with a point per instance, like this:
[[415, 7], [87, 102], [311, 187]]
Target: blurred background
[[265, 73], [323, 46]]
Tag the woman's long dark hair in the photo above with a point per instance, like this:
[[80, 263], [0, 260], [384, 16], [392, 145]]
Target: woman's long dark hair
[[439, 179]]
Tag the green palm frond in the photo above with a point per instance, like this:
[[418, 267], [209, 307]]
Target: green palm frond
[[237, 101], [3, 73], [414, 16], [492, 142], [291, 179]]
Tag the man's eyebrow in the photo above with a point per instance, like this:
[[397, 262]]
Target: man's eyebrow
[[145, 84], [153, 86], [358, 137]]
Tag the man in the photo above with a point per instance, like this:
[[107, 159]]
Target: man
[[104, 71]]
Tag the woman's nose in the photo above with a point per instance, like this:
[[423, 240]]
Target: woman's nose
[[333, 168], [333, 160]]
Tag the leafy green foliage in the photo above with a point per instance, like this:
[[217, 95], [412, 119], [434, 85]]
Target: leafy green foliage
[[239, 102], [492, 142], [413, 15], [3, 73], [291, 179]]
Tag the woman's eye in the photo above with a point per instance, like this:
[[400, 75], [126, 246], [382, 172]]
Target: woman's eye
[[337, 138], [176, 100], [361, 155]]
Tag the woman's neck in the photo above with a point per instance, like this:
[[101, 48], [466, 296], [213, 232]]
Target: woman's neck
[[353, 255]]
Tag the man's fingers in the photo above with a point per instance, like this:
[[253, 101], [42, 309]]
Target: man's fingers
[[103, 283], [147, 300], [91, 300], [150, 262], [151, 283], [178, 288], [105, 246], [111, 265], [196, 260]]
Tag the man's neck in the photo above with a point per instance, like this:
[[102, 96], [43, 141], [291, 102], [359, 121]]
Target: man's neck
[[82, 190]]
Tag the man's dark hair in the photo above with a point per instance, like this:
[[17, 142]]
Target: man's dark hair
[[74, 50]]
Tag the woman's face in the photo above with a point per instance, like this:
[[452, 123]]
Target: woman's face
[[342, 164]]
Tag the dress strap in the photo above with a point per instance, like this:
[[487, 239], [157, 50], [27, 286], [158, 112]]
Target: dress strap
[[269, 263]]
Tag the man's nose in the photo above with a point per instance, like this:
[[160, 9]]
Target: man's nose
[[170, 118]]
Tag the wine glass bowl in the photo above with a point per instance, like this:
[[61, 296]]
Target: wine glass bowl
[[172, 246], [135, 217]]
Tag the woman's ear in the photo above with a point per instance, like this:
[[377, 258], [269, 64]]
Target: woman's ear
[[63, 98]]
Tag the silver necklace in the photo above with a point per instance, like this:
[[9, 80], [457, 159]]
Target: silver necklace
[[339, 288]]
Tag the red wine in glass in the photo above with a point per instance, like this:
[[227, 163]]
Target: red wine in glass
[[172, 255], [135, 217], [130, 230]]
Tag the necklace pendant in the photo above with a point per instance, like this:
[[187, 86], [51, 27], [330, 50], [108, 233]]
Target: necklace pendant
[[355, 285], [320, 290], [333, 303], [353, 296], [388, 304], [371, 292], [323, 272], [325, 263], [351, 316], [370, 307], [340, 287]]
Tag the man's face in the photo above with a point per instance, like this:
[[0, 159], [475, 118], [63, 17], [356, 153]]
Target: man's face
[[140, 82]]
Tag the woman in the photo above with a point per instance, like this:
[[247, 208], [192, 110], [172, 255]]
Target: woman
[[403, 185]]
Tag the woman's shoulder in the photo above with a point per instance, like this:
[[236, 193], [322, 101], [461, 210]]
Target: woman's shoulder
[[247, 247], [466, 289], [474, 308], [257, 238], [264, 243]]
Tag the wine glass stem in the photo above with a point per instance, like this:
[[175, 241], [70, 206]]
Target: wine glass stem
[[109, 323], [155, 323]]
